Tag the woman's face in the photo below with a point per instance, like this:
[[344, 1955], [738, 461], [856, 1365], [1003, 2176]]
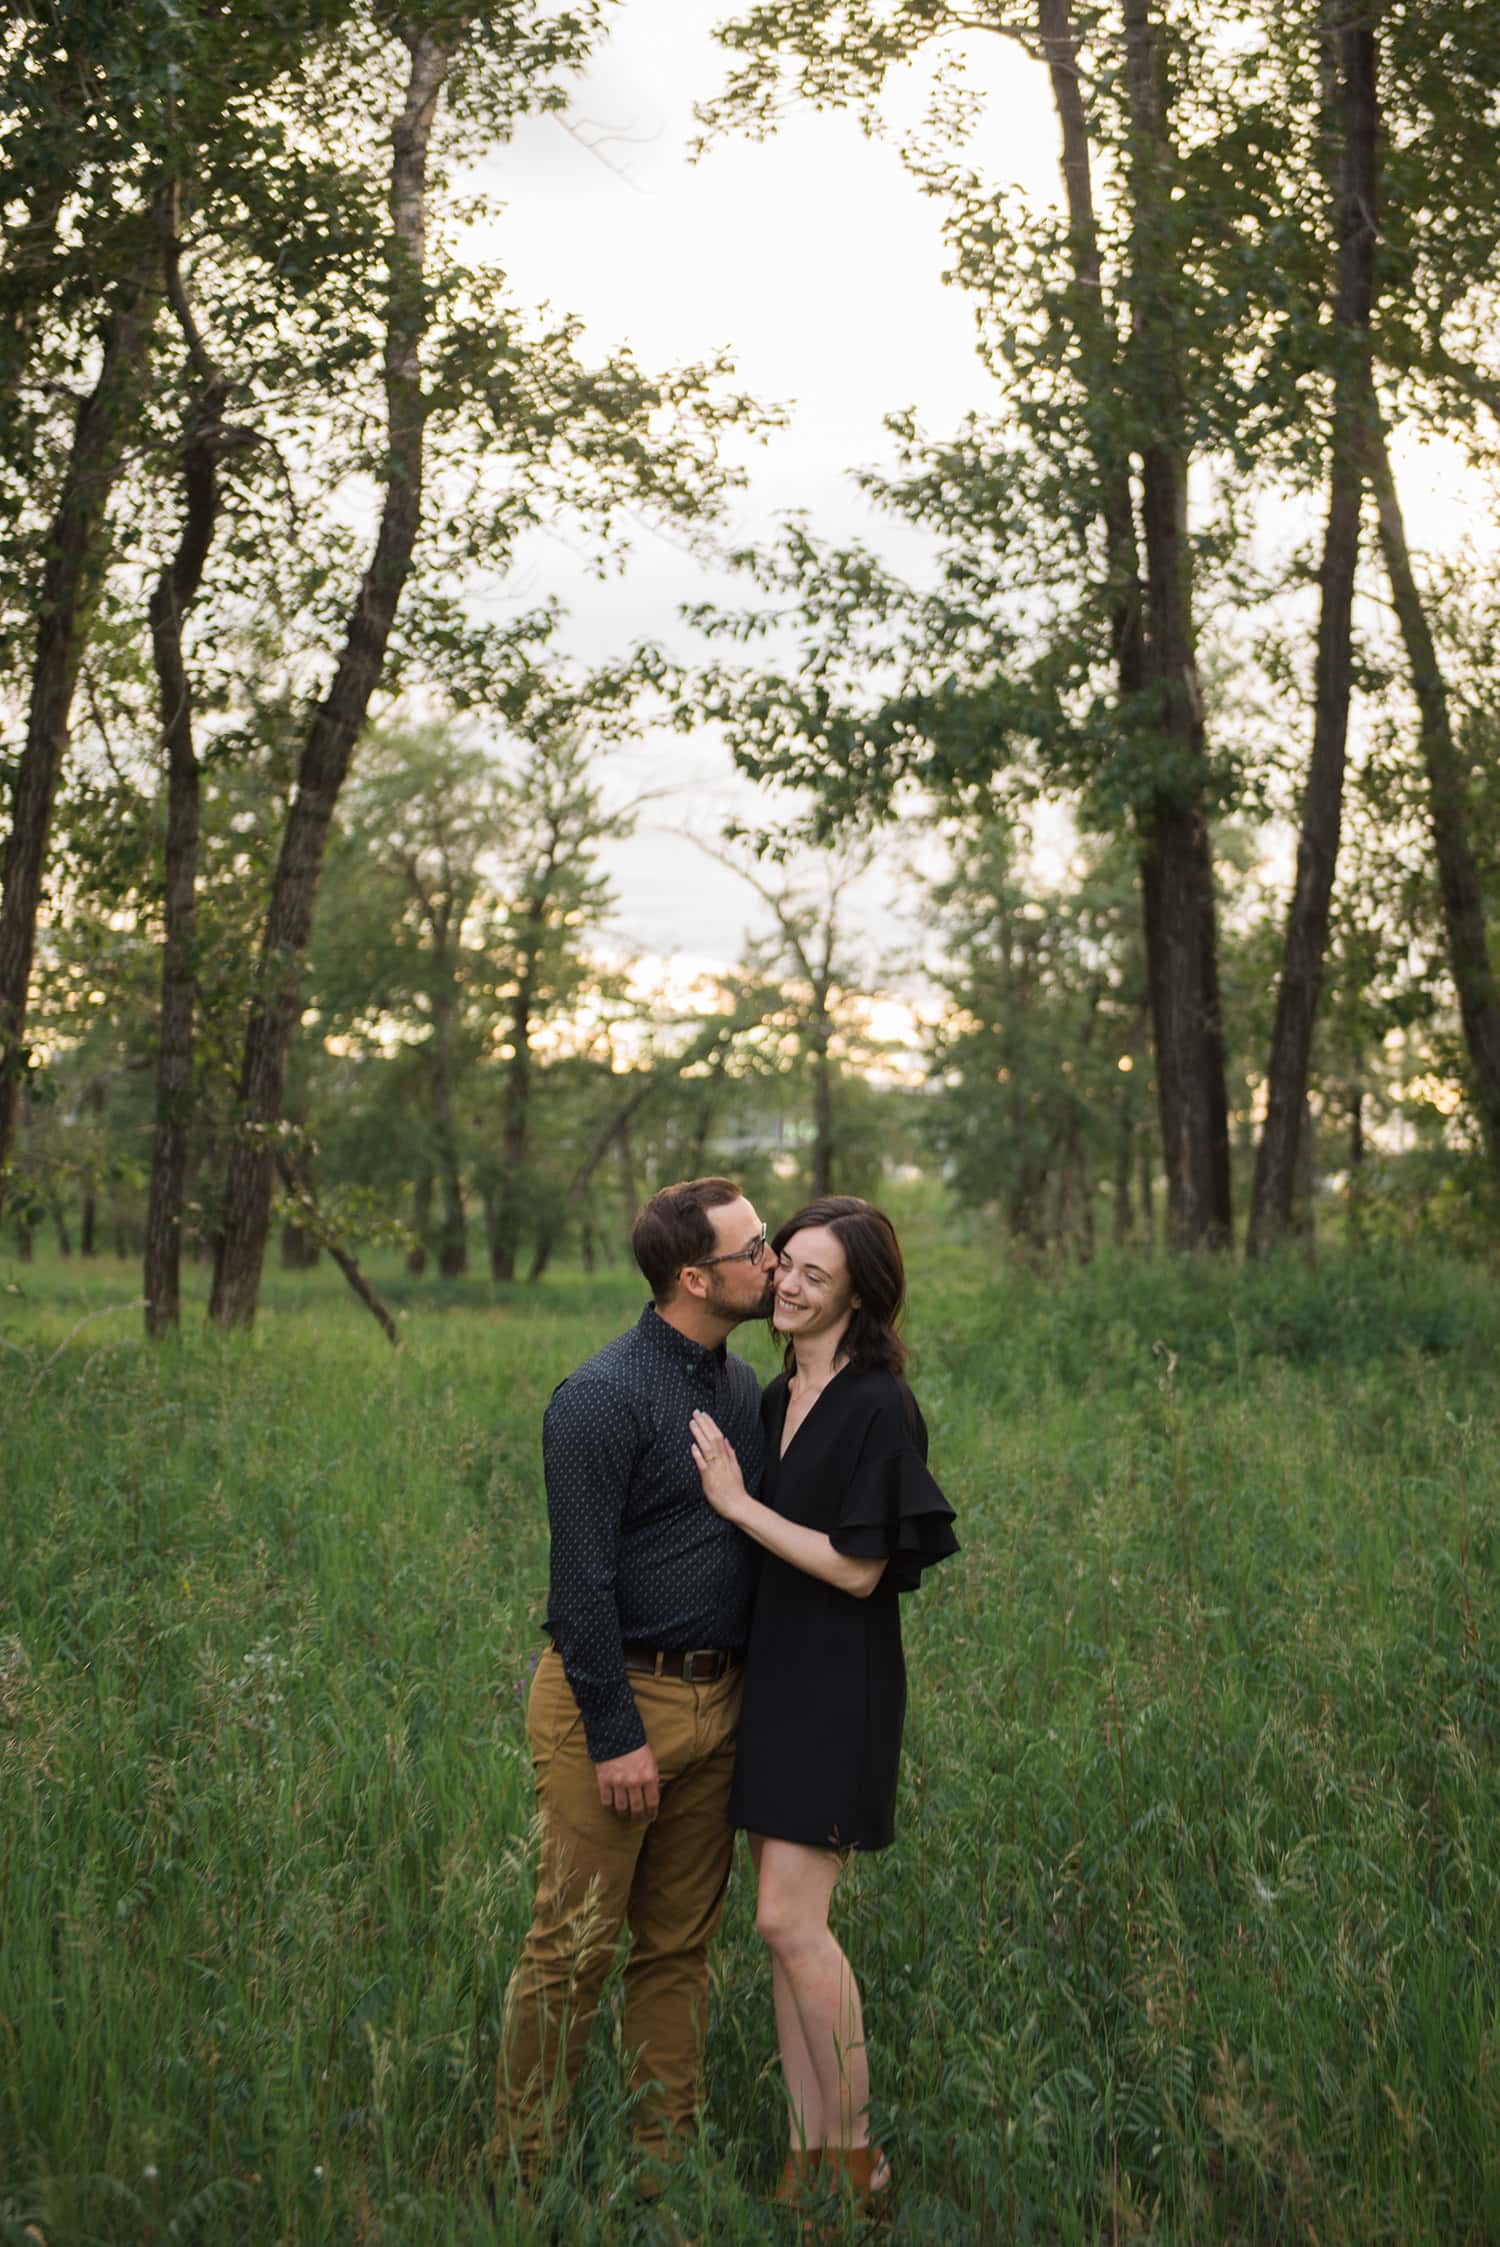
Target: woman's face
[[813, 1293]]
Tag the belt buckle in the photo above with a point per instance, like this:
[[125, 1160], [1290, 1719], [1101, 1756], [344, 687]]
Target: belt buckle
[[690, 1661]]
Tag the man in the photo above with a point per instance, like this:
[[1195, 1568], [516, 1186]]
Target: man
[[634, 1705]]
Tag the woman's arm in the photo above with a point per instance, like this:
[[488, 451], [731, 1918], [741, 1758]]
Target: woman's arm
[[807, 1549]]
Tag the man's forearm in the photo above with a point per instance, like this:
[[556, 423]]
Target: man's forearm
[[589, 1443], [611, 1721]]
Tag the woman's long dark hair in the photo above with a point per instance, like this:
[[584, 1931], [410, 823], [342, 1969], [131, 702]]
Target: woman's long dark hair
[[876, 1274]]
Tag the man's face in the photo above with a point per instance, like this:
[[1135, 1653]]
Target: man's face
[[738, 1288]]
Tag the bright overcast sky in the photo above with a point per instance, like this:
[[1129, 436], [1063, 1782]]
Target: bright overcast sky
[[814, 259], [815, 262]]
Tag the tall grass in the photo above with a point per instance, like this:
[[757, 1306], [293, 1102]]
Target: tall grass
[[1192, 1926]]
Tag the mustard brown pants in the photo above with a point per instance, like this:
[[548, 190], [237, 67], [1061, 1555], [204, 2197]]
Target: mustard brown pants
[[664, 1878]]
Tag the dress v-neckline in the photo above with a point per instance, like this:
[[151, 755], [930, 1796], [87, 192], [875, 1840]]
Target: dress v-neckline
[[783, 1448]]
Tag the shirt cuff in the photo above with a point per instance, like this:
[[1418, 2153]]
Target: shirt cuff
[[611, 1721]]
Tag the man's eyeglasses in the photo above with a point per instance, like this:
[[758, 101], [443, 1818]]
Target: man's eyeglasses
[[751, 1255]]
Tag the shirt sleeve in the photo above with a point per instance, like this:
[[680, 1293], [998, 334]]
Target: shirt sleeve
[[590, 1438]]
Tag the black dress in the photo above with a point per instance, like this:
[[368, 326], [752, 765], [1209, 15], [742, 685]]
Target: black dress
[[825, 1680]]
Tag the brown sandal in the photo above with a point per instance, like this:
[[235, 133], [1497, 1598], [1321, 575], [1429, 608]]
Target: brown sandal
[[857, 2167], [798, 2173]]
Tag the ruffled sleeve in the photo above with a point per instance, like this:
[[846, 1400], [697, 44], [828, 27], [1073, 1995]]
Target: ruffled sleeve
[[892, 1509]]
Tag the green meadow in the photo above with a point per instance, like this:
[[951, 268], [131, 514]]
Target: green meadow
[[1192, 1931]]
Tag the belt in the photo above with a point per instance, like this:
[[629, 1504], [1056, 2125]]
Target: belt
[[699, 1665]]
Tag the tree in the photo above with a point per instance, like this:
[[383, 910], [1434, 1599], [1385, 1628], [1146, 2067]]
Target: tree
[[553, 821], [1179, 317], [1465, 919], [410, 915], [336, 724], [1351, 71], [517, 430], [1119, 338], [1040, 1057], [464, 886], [75, 553], [205, 439], [1433, 311], [806, 970], [99, 136]]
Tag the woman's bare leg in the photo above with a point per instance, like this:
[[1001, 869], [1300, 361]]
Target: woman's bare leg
[[795, 1889], [805, 2118]]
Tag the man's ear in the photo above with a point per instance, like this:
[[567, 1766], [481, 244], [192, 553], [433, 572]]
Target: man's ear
[[692, 1280]]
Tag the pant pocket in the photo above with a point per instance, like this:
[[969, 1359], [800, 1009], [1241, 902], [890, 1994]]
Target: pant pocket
[[553, 1717]]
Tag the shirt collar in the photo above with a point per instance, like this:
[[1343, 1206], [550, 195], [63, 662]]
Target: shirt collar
[[662, 1336]]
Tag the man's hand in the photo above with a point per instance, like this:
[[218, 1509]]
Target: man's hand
[[630, 1785]]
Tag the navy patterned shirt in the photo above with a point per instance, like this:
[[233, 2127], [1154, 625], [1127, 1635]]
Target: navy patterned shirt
[[637, 1551]]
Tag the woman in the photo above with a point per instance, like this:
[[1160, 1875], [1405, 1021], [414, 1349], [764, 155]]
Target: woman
[[848, 1518]]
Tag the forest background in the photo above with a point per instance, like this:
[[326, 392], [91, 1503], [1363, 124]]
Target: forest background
[[1116, 759], [1108, 785]]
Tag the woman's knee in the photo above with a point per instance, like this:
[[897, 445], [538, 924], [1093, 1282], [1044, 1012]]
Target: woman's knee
[[785, 1923]]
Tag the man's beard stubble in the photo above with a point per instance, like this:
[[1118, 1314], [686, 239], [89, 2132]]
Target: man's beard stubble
[[724, 1305]]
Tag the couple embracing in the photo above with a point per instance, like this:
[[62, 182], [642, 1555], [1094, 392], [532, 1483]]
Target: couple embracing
[[726, 1653]]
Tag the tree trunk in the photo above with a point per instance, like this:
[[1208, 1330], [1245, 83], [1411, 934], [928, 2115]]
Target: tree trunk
[[712, 1047], [630, 1192], [704, 1113], [95, 1100], [541, 1251], [1124, 1219], [453, 1235], [1464, 916], [175, 591], [1146, 1191], [1178, 909], [1215, 1052], [1179, 903], [421, 1220], [1303, 1224], [515, 1129], [76, 551], [60, 1227], [1026, 1209], [607, 1136], [1274, 1194], [697, 1148], [346, 1263], [25, 1247], [1181, 1033], [489, 1202], [299, 1250], [1354, 1197], [336, 725], [823, 1146], [1098, 345], [1084, 1187]]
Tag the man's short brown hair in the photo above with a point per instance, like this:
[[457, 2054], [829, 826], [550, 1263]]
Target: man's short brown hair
[[673, 1230]]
